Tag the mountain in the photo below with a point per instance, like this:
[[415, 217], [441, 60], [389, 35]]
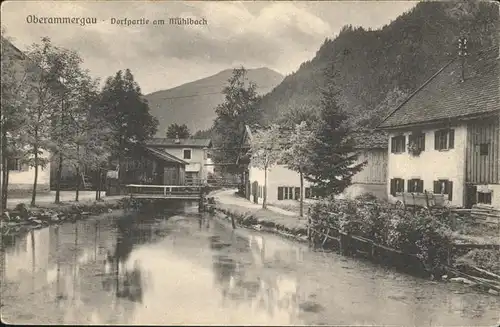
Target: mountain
[[194, 103], [377, 69]]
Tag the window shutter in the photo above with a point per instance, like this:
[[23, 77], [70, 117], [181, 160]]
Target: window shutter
[[436, 187], [422, 142], [436, 140], [411, 139], [297, 193], [450, 190], [420, 186], [393, 187], [409, 185], [280, 193], [393, 145], [451, 139]]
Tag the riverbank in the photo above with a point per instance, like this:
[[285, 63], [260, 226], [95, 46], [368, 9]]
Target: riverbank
[[250, 215], [243, 213], [21, 218]]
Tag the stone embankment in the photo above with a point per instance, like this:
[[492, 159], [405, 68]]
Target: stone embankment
[[23, 218]]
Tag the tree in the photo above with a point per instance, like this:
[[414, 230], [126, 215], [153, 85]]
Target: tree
[[333, 154], [127, 113], [178, 131], [89, 145], [296, 115], [76, 84], [240, 108], [43, 100], [298, 154], [13, 115], [265, 151]]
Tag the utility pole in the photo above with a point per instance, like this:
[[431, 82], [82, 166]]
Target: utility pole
[[462, 53]]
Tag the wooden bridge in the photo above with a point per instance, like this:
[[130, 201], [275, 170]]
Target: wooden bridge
[[175, 192]]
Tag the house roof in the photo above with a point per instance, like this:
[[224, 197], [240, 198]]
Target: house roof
[[165, 156], [370, 140], [171, 143], [445, 96]]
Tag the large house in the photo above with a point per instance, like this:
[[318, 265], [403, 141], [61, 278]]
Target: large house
[[444, 138], [21, 175], [195, 152], [284, 184]]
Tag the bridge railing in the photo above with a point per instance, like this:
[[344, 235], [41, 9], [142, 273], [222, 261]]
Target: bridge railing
[[165, 190], [211, 181]]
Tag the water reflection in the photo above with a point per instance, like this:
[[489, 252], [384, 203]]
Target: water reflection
[[244, 279], [188, 269]]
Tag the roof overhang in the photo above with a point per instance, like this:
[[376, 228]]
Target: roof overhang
[[440, 122], [165, 156]]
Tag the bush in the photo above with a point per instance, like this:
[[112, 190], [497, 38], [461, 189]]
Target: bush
[[483, 258], [420, 233]]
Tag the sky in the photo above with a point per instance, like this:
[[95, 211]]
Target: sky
[[278, 35]]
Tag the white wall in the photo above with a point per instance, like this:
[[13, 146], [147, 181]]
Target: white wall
[[431, 164], [23, 180], [277, 176]]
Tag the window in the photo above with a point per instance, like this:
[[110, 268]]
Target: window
[[285, 193], [419, 140], [187, 154], [444, 186], [398, 144], [484, 149], [415, 185], [297, 193], [307, 193], [483, 197], [397, 185], [15, 164], [444, 139]]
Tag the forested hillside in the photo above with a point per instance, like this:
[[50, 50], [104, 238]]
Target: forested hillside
[[376, 69]]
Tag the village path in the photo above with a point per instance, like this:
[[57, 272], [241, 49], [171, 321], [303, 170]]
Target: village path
[[228, 197], [45, 199]]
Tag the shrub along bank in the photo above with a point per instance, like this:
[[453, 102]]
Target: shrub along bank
[[422, 234]]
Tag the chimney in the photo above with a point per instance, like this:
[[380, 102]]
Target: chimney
[[177, 140], [462, 53]]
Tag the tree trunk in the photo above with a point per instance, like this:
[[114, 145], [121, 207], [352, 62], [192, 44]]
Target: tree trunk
[[97, 174], [5, 181], [77, 192], [5, 170], [33, 195], [58, 178], [264, 200], [301, 194]]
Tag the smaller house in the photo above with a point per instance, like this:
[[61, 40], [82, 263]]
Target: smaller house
[[147, 166], [22, 176], [194, 152], [372, 149], [282, 183]]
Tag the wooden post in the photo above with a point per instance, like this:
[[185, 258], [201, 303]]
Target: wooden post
[[233, 222], [309, 238]]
